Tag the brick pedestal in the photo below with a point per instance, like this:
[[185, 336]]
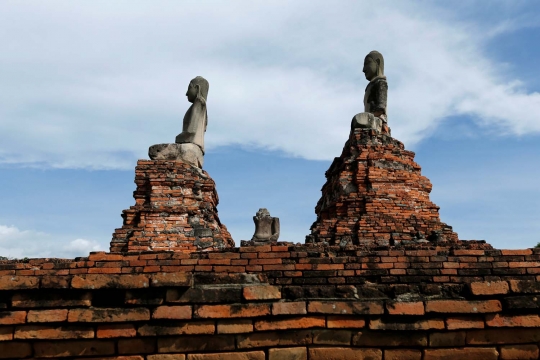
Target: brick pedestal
[[376, 195], [175, 209]]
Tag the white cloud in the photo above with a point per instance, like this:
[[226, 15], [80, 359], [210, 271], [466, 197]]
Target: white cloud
[[16, 243], [93, 86]]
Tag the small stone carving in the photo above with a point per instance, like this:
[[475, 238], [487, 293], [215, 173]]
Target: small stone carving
[[266, 227], [189, 145], [375, 97]]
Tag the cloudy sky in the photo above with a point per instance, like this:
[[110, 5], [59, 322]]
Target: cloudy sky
[[86, 87]]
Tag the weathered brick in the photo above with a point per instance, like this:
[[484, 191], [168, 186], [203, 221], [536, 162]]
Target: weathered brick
[[116, 330], [12, 317], [516, 252], [346, 307], [15, 350], [6, 333], [337, 353], [166, 357], [110, 281], [195, 343], [489, 287], [462, 322], [47, 315], [332, 337], [289, 308], [51, 300], [137, 346], [261, 292], [206, 294], [232, 311], [108, 314], [73, 348], [525, 286], [55, 282], [274, 338], [461, 353], [402, 354], [234, 326], [296, 353], [11, 282], [53, 332], [304, 322], [251, 355], [424, 324], [345, 322], [513, 352], [172, 312], [177, 328], [447, 339], [390, 338], [498, 320], [462, 306], [405, 308], [171, 279], [502, 336]]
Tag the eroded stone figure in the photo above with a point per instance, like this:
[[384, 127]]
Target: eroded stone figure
[[189, 144], [266, 226], [375, 97]]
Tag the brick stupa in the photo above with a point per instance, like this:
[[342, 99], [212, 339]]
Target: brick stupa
[[175, 209], [376, 195]]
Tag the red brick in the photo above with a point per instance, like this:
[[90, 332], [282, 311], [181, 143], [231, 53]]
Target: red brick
[[261, 292], [336, 353], [346, 307], [289, 308], [513, 352], [235, 326], [489, 287], [232, 311], [12, 317], [104, 281], [116, 330], [463, 306], [336, 322], [458, 252], [524, 286], [53, 332], [304, 322], [498, 320], [136, 346], [197, 343], [405, 308], [296, 353], [10, 282], [517, 252], [503, 336], [447, 339], [32, 301], [251, 355], [55, 282], [172, 312], [171, 279], [47, 315], [15, 350], [461, 353], [402, 354], [262, 248], [457, 322], [108, 315], [426, 324], [73, 348], [166, 357], [6, 333]]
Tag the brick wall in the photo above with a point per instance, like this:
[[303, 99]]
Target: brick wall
[[275, 302]]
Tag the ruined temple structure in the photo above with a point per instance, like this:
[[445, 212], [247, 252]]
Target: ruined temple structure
[[376, 195]]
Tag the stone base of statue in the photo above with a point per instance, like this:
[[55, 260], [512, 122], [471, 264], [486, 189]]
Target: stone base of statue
[[376, 195], [188, 153], [175, 209], [367, 120]]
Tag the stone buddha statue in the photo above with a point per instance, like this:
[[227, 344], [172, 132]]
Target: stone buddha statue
[[189, 144], [266, 227], [374, 115]]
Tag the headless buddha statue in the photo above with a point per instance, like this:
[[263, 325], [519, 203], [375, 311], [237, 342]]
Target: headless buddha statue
[[374, 115]]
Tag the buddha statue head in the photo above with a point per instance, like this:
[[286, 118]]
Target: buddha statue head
[[198, 89], [373, 65]]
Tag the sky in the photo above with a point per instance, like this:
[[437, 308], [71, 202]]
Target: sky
[[87, 87]]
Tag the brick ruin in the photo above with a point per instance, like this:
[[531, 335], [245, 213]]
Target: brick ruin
[[380, 278]]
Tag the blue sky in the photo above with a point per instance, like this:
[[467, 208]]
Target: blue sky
[[86, 88]]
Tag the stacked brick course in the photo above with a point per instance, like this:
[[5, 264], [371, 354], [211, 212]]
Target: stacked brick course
[[274, 302], [375, 194], [175, 209]]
